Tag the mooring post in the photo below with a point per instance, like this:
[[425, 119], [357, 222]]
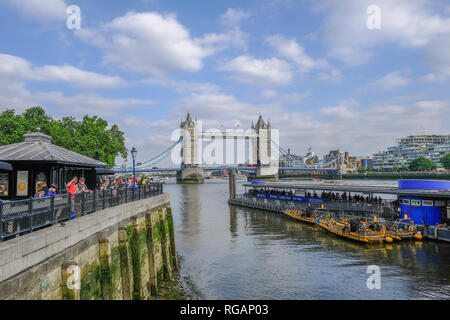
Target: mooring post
[[125, 264], [232, 184]]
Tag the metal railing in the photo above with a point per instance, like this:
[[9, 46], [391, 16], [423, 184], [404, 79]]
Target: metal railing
[[24, 216], [384, 209]]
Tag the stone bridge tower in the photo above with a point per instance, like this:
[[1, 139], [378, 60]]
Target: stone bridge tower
[[190, 171], [262, 151]]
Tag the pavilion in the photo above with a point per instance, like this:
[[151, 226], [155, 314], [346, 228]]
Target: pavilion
[[37, 162]]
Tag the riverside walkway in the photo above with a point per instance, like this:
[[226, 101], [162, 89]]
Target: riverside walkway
[[25, 216]]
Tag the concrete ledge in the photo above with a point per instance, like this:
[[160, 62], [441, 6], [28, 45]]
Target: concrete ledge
[[24, 252]]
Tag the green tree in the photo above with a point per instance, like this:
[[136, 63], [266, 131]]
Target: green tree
[[422, 164], [362, 170], [445, 161], [88, 137], [404, 167], [395, 168]]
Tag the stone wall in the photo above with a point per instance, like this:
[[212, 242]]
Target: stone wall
[[122, 252], [191, 176]]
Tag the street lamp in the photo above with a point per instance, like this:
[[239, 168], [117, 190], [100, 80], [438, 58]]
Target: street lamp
[[133, 155]]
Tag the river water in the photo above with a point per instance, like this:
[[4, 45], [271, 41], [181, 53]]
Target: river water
[[229, 252]]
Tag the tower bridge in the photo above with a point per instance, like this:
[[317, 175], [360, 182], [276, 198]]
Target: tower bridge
[[258, 152]]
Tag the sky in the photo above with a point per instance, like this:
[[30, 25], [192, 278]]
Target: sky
[[326, 73]]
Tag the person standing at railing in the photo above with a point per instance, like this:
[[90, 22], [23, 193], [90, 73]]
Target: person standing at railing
[[72, 189], [52, 190], [81, 189], [42, 192]]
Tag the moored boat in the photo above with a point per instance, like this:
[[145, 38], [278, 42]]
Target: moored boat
[[301, 216], [353, 230]]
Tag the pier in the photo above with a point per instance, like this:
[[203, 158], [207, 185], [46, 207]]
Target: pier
[[420, 203]]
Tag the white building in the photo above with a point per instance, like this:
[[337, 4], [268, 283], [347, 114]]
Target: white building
[[433, 147]]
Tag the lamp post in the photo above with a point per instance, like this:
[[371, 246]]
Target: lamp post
[[133, 155]]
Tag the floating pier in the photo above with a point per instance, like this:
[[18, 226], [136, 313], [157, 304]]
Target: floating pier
[[426, 204]]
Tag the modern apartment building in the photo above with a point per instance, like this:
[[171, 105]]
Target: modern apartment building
[[410, 148]]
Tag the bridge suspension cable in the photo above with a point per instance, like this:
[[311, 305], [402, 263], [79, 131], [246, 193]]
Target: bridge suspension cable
[[158, 158]]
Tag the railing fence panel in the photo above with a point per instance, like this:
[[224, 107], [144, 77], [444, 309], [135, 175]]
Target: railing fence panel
[[24, 216]]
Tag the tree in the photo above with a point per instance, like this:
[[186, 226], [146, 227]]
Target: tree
[[445, 161], [422, 164], [395, 168], [362, 170], [404, 167], [88, 137]]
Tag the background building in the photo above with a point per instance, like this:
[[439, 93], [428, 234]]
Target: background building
[[410, 148]]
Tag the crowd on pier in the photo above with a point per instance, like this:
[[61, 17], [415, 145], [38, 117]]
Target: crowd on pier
[[326, 196], [76, 185], [331, 196], [122, 182]]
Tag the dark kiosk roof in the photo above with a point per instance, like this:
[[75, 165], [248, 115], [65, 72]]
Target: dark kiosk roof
[[5, 166], [38, 148]]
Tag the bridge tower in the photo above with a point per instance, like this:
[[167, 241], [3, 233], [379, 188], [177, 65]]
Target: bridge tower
[[190, 171], [262, 151]]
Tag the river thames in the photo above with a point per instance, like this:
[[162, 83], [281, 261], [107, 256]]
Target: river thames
[[230, 252]]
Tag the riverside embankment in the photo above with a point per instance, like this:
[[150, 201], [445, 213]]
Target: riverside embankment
[[125, 251]]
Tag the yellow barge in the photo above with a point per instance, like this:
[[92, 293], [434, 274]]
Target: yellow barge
[[301, 216], [351, 230]]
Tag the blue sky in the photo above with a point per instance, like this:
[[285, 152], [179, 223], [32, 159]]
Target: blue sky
[[312, 67]]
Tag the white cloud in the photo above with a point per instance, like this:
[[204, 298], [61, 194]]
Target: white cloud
[[42, 10], [234, 16], [437, 57], [89, 103], [153, 44], [215, 42], [345, 110], [409, 23], [15, 72], [290, 49], [19, 68], [76, 77], [182, 85], [333, 75], [263, 72], [289, 98], [391, 81]]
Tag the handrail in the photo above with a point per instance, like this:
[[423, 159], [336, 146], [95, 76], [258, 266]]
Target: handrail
[[385, 209], [18, 217]]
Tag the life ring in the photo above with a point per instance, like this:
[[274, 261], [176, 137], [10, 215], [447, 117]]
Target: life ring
[[410, 229]]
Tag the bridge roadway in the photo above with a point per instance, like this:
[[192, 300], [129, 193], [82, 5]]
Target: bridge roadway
[[441, 194], [227, 168]]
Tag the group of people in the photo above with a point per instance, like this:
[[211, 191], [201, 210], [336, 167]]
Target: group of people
[[121, 182], [331, 196], [253, 192], [44, 191], [73, 186], [326, 196], [76, 185]]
